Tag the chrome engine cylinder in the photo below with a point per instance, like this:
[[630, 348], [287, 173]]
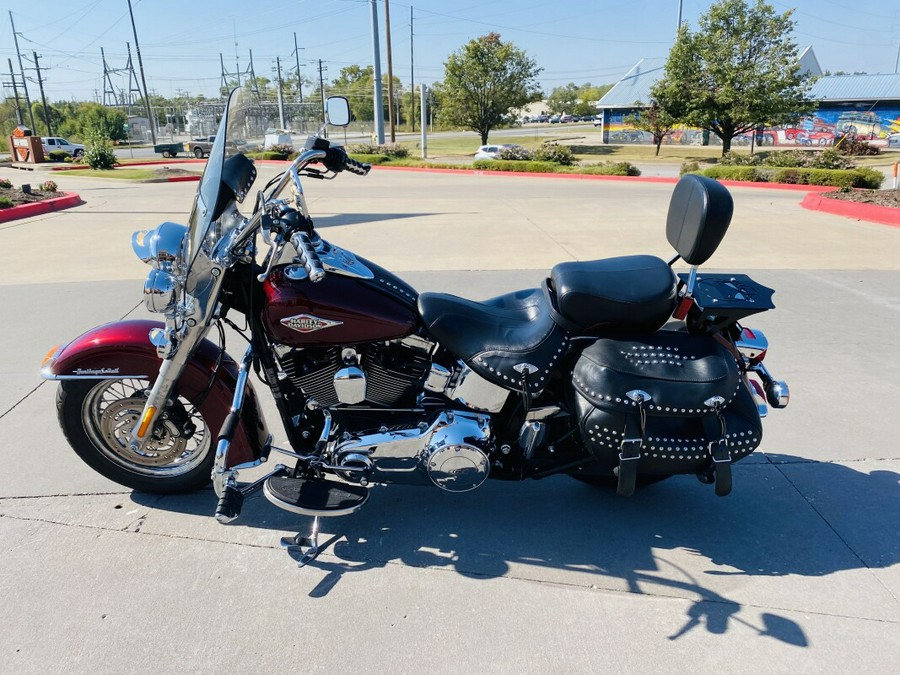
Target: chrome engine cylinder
[[451, 452]]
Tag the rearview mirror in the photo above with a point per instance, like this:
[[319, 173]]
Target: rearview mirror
[[337, 111]]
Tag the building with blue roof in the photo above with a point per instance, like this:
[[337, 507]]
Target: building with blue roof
[[865, 105]]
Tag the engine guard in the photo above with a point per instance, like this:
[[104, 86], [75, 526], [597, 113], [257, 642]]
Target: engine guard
[[122, 350]]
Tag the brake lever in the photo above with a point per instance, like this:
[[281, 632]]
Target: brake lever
[[274, 255]]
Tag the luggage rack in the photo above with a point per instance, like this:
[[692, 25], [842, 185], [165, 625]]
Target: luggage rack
[[726, 298]]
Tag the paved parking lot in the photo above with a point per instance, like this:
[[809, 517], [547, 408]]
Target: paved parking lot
[[797, 571]]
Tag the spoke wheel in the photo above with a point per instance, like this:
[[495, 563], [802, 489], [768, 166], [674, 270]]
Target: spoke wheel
[[98, 419]]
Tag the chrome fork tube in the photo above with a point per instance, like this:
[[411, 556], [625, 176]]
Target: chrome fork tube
[[222, 476]]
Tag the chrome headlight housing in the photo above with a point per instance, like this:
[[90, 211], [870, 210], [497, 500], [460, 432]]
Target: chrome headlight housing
[[162, 248], [160, 292]]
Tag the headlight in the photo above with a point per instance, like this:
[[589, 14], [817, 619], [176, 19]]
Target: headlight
[[160, 292], [162, 248]]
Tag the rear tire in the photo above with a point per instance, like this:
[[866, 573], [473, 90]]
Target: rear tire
[[198, 153], [97, 418], [78, 154], [167, 154]]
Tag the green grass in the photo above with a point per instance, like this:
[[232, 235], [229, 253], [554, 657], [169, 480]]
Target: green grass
[[119, 174]]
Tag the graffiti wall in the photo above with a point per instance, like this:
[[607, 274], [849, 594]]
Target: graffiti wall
[[820, 129]]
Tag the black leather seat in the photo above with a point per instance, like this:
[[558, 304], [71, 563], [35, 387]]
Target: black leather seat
[[495, 336], [635, 292]]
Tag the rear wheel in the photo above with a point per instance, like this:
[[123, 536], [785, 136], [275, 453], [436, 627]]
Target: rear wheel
[[167, 154], [78, 154], [198, 153], [98, 417]]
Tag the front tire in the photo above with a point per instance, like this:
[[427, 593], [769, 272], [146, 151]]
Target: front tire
[[97, 418]]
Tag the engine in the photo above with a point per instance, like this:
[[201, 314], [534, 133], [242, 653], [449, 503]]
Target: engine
[[384, 374], [450, 451]]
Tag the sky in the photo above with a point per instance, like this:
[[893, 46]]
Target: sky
[[576, 41]]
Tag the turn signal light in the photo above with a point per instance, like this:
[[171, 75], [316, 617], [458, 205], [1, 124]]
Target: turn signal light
[[50, 355], [145, 421]]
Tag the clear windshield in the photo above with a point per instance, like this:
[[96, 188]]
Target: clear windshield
[[242, 130]]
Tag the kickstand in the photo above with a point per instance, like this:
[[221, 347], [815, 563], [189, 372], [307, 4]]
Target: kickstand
[[308, 547]]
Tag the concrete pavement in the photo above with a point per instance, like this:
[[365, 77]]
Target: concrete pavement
[[797, 571]]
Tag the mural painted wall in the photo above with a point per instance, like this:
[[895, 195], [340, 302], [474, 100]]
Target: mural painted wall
[[820, 129]]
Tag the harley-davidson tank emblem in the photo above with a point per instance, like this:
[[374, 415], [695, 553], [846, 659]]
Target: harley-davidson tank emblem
[[307, 323]]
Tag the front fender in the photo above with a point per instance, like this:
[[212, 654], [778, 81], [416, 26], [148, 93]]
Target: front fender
[[122, 350]]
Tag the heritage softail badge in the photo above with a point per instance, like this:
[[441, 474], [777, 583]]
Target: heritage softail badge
[[306, 323]]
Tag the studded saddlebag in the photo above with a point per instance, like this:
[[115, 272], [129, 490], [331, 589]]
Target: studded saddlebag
[[668, 403]]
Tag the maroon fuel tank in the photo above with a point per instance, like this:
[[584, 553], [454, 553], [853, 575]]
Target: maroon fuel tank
[[339, 309]]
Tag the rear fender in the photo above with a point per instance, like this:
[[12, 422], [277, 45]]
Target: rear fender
[[122, 350]]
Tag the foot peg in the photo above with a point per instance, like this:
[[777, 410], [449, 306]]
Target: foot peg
[[230, 503], [317, 498]]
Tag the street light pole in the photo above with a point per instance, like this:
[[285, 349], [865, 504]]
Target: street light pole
[[378, 110]]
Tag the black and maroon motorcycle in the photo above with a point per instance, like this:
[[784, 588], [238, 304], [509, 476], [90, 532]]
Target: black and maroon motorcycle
[[616, 372]]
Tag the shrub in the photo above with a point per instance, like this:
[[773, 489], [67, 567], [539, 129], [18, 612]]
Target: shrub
[[48, 186], [516, 153], [512, 165], [389, 149], [99, 153], [5, 202], [688, 167], [58, 155], [553, 152], [832, 159], [281, 149], [370, 159], [741, 173], [851, 145], [733, 159], [5, 183], [868, 178]]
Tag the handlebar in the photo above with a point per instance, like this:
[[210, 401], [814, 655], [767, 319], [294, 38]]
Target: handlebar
[[308, 256], [337, 160]]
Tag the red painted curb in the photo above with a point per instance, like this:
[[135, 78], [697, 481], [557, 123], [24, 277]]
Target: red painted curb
[[68, 200], [885, 215]]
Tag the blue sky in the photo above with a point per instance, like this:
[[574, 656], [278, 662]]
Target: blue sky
[[575, 41]]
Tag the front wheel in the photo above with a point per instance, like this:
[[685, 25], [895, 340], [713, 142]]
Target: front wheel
[[98, 417]]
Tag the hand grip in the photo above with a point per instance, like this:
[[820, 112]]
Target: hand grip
[[358, 168], [310, 258]]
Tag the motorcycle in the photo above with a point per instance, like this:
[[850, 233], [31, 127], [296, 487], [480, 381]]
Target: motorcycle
[[617, 372]]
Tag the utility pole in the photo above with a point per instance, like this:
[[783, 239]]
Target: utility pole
[[22, 70], [137, 48], [678, 27], [12, 79], [280, 98], [412, 75], [299, 81], [387, 31], [322, 94], [377, 102], [37, 67], [424, 117]]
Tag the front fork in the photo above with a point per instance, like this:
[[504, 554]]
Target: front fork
[[224, 477]]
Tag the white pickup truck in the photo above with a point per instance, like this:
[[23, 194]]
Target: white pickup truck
[[53, 143]]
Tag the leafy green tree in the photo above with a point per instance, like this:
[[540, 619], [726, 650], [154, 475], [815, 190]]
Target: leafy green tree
[[484, 81], [576, 99], [739, 71], [56, 118], [655, 120]]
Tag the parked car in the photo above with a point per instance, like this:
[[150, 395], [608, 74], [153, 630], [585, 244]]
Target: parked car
[[893, 140], [493, 151], [54, 143], [200, 147], [566, 119], [543, 119]]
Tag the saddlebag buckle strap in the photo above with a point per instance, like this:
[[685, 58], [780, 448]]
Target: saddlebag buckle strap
[[718, 447], [632, 442]]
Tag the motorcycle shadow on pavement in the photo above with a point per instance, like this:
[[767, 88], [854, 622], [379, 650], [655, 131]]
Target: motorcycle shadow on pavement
[[362, 218], [786, 517]]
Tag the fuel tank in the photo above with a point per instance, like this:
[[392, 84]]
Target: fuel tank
[[339, 309]]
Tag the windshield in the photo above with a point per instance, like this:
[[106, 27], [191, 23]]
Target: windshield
[[242, 130]]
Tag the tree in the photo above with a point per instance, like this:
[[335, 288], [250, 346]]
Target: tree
[[739, 71], [576, 99], [654, 120], [484, 81]]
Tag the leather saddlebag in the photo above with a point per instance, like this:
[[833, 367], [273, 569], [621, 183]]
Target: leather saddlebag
[[668, 403]]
